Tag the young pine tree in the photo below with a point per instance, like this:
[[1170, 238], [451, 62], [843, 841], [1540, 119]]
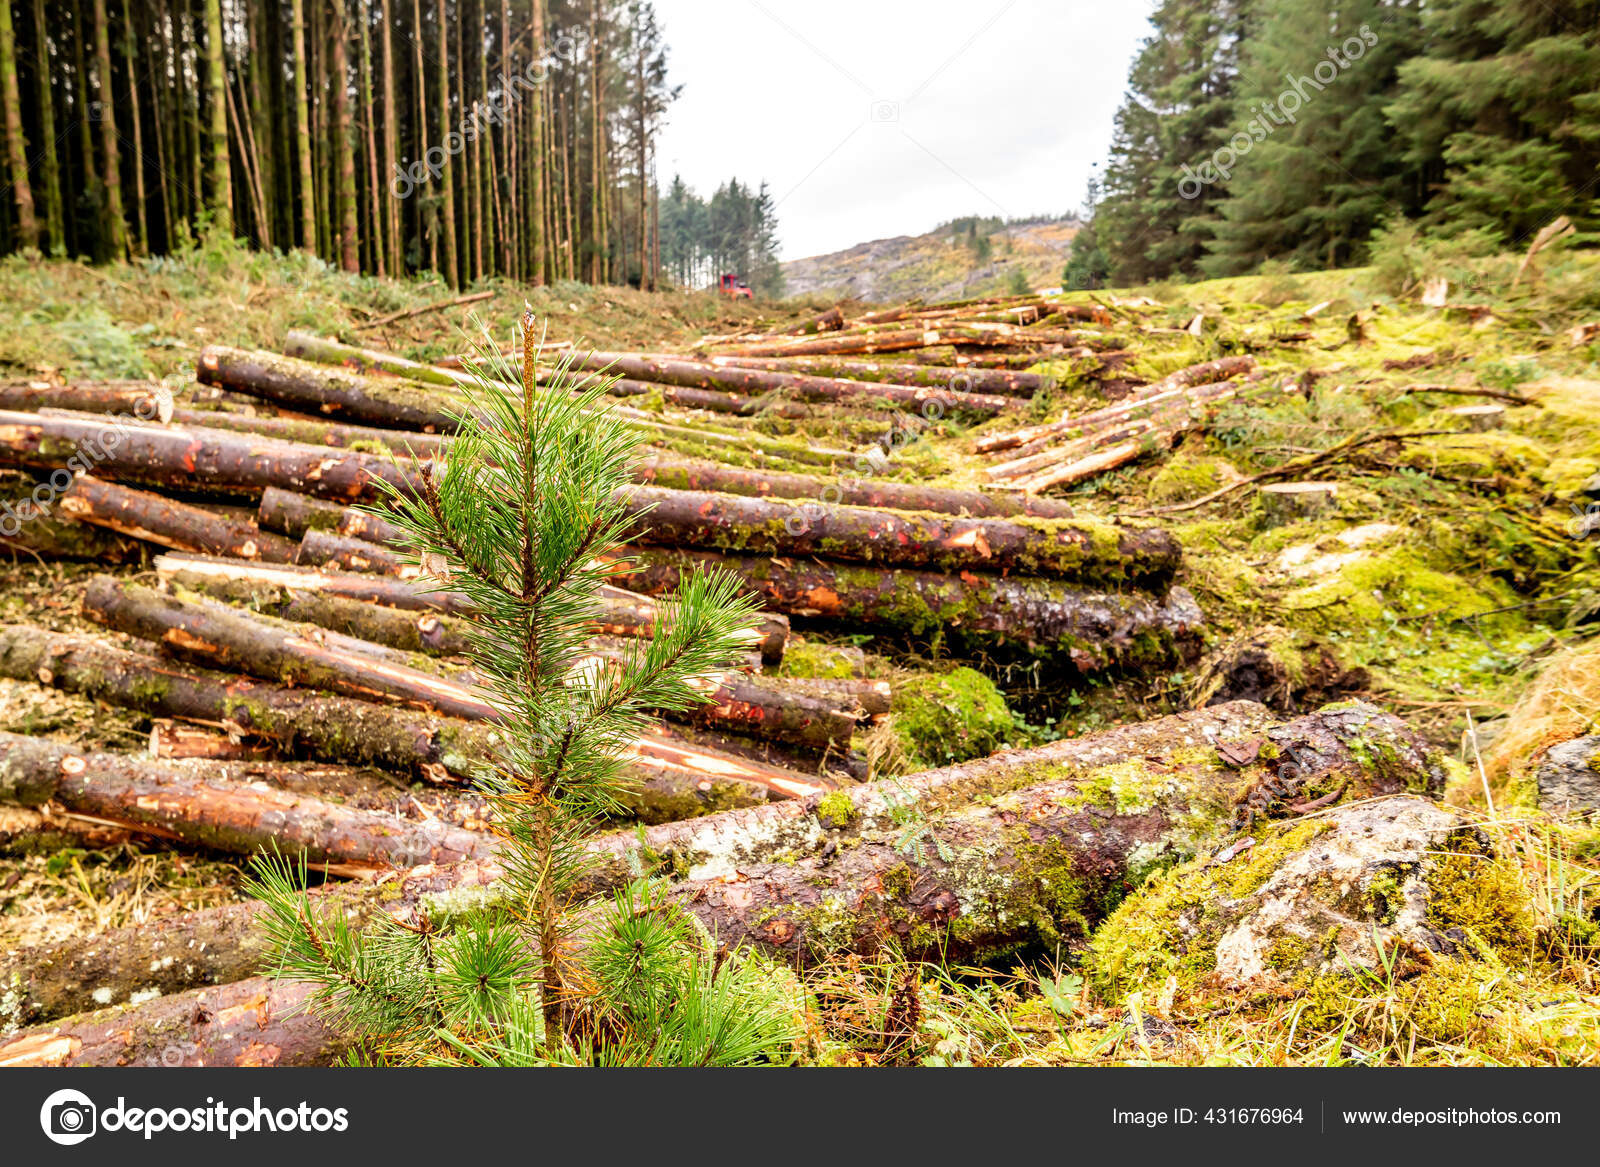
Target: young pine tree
[[525, 519]]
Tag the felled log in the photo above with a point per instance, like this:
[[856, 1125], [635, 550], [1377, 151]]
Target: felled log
[[1081, 551], [225, 944], [828, 321], [42, 537], [355, 359], [878, 341], [208, 809], [685, 474], [621, 612], [257, 1022], [138, 399], [1206, 373], [190, 458], [329, 549], [171, 741], [672, 776], [369, 439], [802, 386], [1092, 630], [293, 514], [395, 403], [1023, 848], [216, 635], [219, 636], [927, 376], [156, 519]]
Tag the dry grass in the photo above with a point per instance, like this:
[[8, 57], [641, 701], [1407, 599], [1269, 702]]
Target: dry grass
[[1562, 703]]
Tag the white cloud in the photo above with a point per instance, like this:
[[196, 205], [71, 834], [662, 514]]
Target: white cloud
[[884, 117]]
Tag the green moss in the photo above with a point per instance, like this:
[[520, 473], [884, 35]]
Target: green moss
[[812, 660], [1484, 897], [835, 809], [1188, 477], [949, 717]]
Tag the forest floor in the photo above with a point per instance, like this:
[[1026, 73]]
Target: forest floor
[[1452, 582]]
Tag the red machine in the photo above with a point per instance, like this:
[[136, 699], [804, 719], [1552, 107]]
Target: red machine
[[736, 288]]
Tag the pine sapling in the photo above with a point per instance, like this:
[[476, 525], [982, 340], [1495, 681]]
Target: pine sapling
[[526, 518]]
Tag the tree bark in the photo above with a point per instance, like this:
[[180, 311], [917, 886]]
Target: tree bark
[[184, 458], [115, 224], [307, 432], [1081, 552], [159, 520], [1023, 848], [293, 514], [1047, 618], [221, 201], [16, 147]]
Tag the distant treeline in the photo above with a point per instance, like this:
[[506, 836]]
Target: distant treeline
[[468, 137], [735, 231], [1289, 130]]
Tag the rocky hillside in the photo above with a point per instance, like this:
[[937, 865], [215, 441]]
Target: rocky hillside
[[966, 257]]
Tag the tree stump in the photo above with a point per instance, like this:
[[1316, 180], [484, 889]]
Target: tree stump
[[1284, 502], [1480, 418]]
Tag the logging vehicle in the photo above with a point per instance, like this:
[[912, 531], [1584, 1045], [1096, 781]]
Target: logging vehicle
[[735, 288]]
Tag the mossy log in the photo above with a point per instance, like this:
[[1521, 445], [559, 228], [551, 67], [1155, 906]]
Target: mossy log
[[293, 514], [864, 491], [706, 376], [330, 549], [1092, 630], [619, 611], [191, 458], [1023, 848], [325, 391], [885, 340], [156, 519], [955, 377], [205, 807], [305, 346], [137, 399], [1078, 550]]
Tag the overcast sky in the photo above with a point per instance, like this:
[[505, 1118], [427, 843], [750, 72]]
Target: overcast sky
[[872, 118]]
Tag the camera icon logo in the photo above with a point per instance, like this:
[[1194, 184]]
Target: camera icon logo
[[68, 1117]]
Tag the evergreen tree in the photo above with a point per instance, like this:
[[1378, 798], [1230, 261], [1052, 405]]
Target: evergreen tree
[[1154, 222], [1500, 113], [525, 520], [1315, 171]]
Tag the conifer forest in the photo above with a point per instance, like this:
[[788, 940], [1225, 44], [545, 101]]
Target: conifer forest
[[505, 561]]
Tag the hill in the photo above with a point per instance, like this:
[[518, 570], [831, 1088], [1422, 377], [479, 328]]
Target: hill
[[961, 258]]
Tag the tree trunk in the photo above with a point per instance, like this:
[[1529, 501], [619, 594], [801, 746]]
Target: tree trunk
[[447, 212], [55, 212], [115, 223], [171, 524], [402, 443], [16, 147], [344, 146], [1048, 618], [203, 807], [1023, 848], [183, 458], [293, 514], [221, 201], [302, 121], [903, 538]]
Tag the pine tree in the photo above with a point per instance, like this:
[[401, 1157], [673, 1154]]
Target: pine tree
[[1152, 222], [221, 202], [1501, 112], [16, 148], [524, 520], [1315, 169]]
